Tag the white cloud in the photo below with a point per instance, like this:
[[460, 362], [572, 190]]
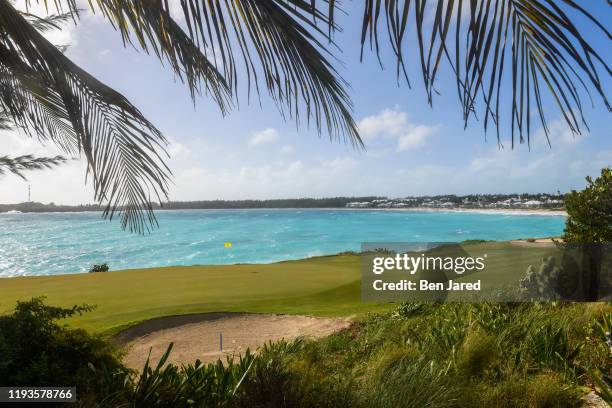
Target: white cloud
[[287, 149], [176, 149], [205, 169], [278, 179], [394, 124], [265, 136], [387, 122], [415, 137]]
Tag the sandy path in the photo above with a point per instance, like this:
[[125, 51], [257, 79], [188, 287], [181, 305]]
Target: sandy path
[[198, 336]]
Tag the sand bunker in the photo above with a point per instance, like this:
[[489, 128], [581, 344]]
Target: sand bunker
[[538, 242], [198, 336]]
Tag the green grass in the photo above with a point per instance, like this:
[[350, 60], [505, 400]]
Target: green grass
[[321, 286]]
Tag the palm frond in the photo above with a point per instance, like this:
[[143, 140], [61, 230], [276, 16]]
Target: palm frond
[[272, 43], [20, 164], [53, 99], [509, 54], [50, 22]]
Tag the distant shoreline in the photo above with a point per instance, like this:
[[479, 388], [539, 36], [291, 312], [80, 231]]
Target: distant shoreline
[[500, 211]]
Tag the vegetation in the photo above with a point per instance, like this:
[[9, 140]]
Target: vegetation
[[449, 355], [20, 164], [589, 211], [518, 53], [329, 202], [99, 268], [36, 350], [418, 355]]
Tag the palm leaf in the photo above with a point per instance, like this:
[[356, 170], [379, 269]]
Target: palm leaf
[[271, 43], [17, 165], [50, 22], [503, 53], [54, 99]]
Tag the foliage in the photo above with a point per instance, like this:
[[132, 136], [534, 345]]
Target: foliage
[[408, 309], [99, 268], [604, 387], [36, 350], [541, 283], [589, 212], [17, 165], [457, 355], [437, 355], [192, 385]]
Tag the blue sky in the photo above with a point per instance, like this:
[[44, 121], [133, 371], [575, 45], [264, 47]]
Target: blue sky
[[411, 148]]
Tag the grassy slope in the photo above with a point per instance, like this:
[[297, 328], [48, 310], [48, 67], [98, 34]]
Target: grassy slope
[[325, 286]]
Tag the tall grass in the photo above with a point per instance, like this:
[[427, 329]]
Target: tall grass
[[199, 385], [420, 355]]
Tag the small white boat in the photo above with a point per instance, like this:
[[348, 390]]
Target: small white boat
[[14, 212]]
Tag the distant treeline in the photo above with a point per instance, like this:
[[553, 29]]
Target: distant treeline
[[51, 207], [332, 202]]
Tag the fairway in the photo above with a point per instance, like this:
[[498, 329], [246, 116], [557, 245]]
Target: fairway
[[320, 286]]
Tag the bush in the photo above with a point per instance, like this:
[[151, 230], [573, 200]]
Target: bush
[[275, 380], [99, 268], [541, 283], [589, 212], [36, 350]]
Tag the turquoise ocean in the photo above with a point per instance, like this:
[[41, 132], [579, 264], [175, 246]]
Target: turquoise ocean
[[56, 243]]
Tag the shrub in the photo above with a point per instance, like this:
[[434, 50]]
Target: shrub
[[589, 212], [275, 380], [36, 350], [99, 268], [408, 309], [541, 283]]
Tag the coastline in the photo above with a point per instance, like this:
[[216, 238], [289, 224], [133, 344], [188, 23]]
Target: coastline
[[499, 211]]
